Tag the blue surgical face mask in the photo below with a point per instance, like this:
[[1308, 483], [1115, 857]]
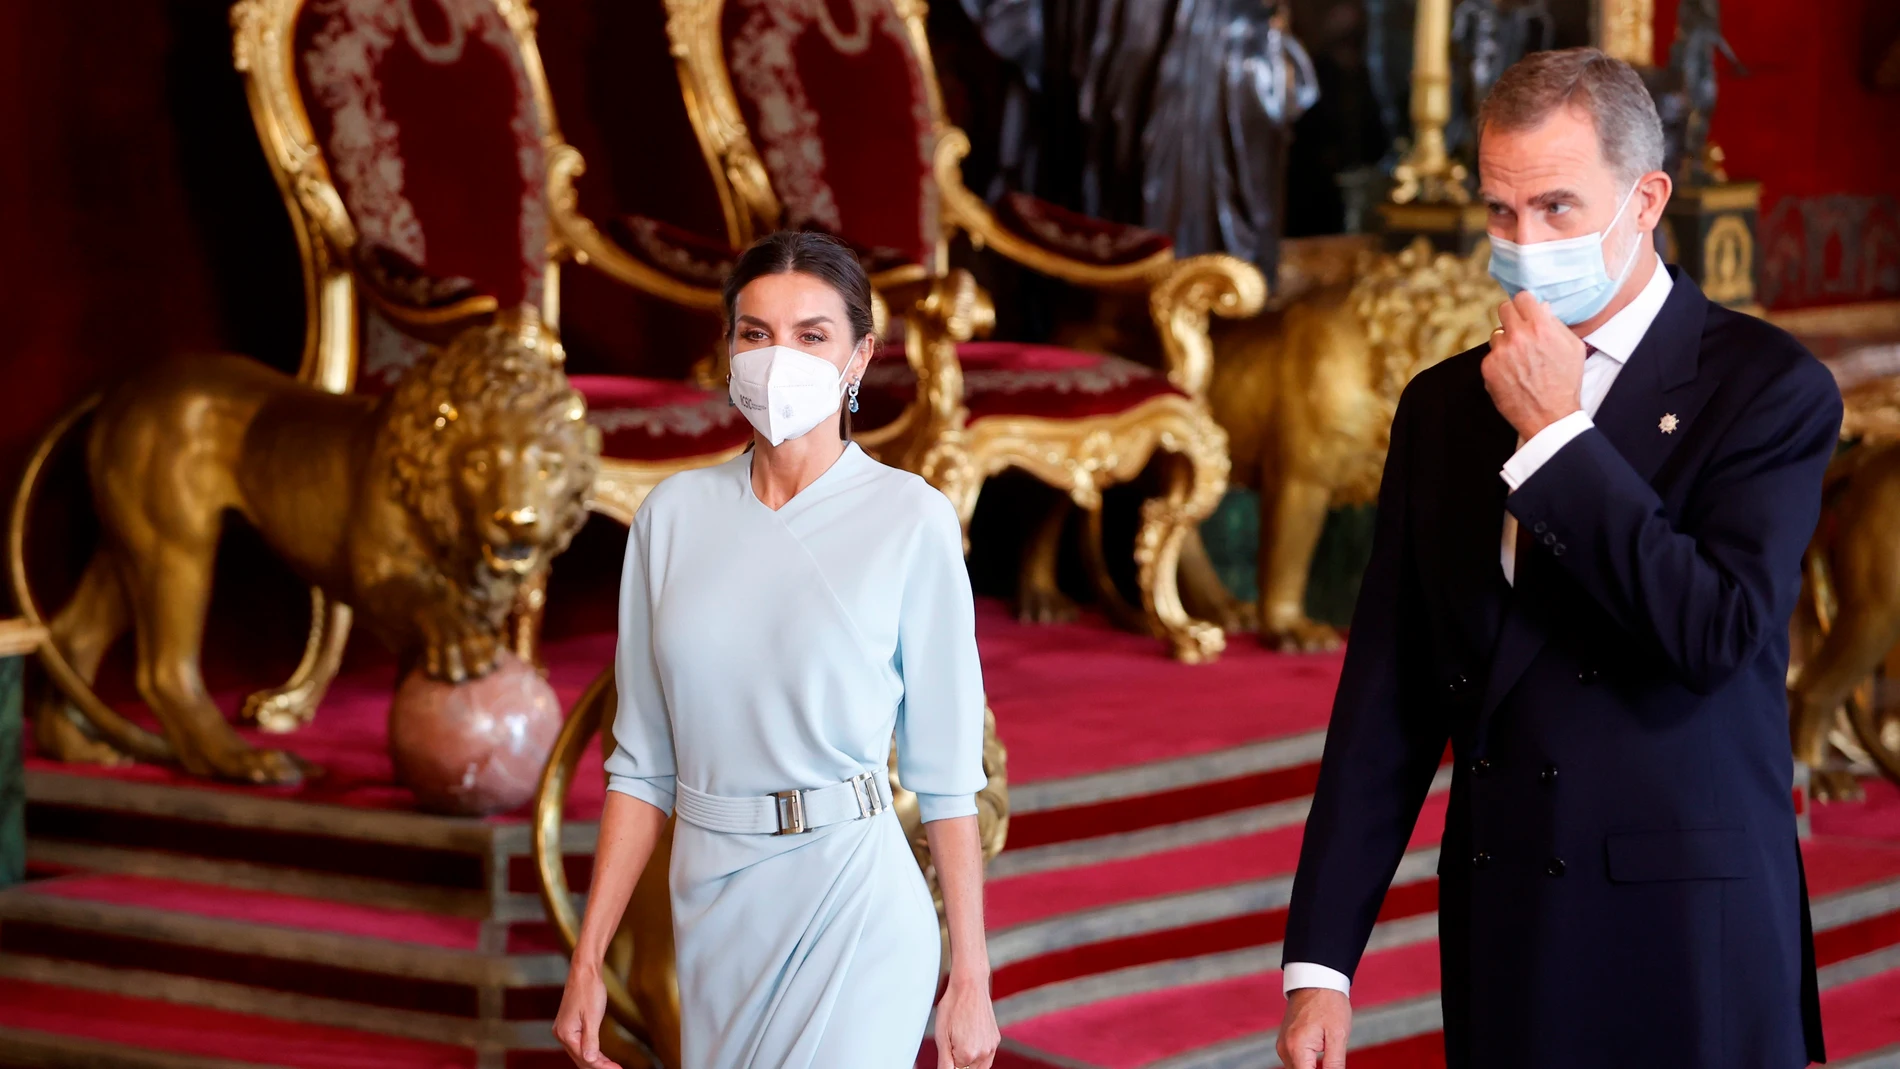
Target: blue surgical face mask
[[1568, 274]]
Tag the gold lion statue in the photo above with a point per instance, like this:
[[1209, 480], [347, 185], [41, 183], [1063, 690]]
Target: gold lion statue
[[1306, 394], [425, 511], [1849, 623]]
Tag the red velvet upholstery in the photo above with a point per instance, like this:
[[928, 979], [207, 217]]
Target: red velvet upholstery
[[1011, 379], [427, 121], [657, 420], [1077, 236], [617, 91], [836, 102], [680, 253]]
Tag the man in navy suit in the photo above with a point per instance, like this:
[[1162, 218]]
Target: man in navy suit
[[1589, 545]]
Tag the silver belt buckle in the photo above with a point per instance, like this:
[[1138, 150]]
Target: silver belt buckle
[[870, 802], [791, 812]]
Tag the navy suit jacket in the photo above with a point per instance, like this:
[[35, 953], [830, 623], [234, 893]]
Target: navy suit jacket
[[1619, 881]]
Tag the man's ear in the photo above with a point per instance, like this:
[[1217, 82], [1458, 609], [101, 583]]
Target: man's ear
[[1652, 196]]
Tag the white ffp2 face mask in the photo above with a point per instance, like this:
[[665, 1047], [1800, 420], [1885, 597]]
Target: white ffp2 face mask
[[783, 392]]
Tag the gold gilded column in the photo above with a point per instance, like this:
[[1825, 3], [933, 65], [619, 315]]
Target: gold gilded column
[[1427, 175], [1429, 197], [1626, 29]]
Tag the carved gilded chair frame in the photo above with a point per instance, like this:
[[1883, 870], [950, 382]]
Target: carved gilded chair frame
[[264, 38], [263, 50], [941, 307]]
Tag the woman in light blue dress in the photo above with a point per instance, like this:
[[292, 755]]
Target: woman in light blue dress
[[781, 616]]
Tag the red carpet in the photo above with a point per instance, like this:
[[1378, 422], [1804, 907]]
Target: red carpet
[[1252, 857], [348, 740], [1862, 1016], [148, 1024], [1087, 698], [1135, 917]]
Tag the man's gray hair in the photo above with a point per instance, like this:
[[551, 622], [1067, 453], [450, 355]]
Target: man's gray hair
[[1629, 131]]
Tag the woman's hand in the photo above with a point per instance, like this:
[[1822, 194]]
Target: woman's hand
[[966, 1025], [577, 1025], [628, 829]]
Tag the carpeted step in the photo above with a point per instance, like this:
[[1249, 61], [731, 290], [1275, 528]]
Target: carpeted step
[[1095, 989], [1013, 900], [404, 974], [1230, 1019], [1082, 698], [1862, 1021], [38, 1020]]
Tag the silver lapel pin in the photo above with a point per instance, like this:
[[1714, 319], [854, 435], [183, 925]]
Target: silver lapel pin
[[1668, 424]]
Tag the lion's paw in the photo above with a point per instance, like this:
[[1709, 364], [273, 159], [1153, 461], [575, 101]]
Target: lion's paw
[[1302, 636], [1045, 605], [265, 768]]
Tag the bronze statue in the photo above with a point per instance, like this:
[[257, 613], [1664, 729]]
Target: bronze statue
[[1692, 70], [1231, 83], [1488, 36], [1306, 394], [425, 511], [1852, 607]]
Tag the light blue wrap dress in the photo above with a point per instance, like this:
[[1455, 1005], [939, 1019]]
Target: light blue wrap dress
[[763, 651]]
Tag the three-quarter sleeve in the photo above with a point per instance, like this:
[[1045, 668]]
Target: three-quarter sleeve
[[641, 764], [940, 724]]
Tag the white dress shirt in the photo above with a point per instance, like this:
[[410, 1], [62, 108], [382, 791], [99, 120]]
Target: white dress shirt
[[1612, 345]]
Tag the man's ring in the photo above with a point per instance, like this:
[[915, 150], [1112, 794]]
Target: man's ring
[[1497, 332]]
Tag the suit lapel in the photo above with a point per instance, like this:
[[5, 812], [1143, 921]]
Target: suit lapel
[[1656, 389]]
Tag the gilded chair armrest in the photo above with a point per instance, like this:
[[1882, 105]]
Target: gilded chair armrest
[[939, 314], [576, 235], [1180, 302], [966, 211]]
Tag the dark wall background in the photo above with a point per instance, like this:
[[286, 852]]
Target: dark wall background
[[139, 214]]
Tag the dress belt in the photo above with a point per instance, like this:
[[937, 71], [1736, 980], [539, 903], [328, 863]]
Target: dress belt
[[786, 812]]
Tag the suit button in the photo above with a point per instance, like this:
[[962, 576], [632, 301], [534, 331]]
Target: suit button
[[1458, 685], [1555, 866], [1550, 539], [1481, 766], [1540, 528], [1557, 550], [1588, 675], [1480, 860], [1549, 774]]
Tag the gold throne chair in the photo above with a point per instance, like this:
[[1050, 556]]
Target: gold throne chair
[[428, 186], [826, 114]]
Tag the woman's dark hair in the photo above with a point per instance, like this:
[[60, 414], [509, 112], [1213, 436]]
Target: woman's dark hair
[[811, 253]]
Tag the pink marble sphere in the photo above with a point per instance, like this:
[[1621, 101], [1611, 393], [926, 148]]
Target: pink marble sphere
[[477, 747]]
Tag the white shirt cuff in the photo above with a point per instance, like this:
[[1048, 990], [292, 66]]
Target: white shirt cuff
[[1543, 445], [1300, 974]]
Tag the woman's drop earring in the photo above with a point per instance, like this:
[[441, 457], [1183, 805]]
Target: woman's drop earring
[[853, 392]]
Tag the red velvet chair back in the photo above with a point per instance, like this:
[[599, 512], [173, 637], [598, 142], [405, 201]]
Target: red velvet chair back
[[618, 94], [647, 186], [426, 115], [841, 108]]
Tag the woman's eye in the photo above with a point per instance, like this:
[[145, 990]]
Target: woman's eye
[[814, 338]]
